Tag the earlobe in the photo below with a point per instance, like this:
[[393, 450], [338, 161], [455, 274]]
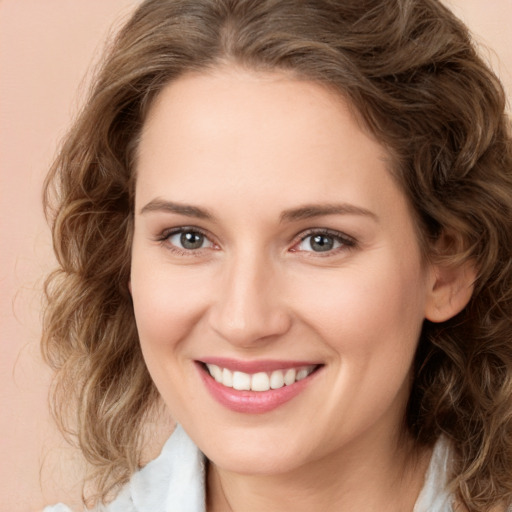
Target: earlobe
[[450, 290]]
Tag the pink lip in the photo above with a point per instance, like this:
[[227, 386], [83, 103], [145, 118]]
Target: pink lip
[[255, 366], [252, 402]]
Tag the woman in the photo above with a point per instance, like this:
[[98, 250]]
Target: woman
[[291, 222]]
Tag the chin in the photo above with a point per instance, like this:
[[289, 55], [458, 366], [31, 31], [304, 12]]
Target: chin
[[257, 462], [255, 454]]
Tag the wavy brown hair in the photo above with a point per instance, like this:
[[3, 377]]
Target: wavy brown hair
[[410, 70]]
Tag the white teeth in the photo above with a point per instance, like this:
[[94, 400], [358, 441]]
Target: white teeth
[[241, 381], [216, 372], [227, 378], [289, 376], [277, 379], [302, 374], [261, 381]]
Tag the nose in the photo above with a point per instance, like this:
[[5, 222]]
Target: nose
[[250, 308]]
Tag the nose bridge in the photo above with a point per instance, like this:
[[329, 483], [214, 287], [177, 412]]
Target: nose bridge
[[249, 306]]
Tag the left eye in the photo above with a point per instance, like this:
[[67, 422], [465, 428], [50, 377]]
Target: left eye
[[321, 242], [189, 240]]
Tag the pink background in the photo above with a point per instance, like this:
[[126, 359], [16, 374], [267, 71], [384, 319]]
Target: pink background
[[46, 48]]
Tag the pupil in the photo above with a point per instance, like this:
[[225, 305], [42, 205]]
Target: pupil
[[321, 243], [191, 240]]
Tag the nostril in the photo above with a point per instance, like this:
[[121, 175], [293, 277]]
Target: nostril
[[249, 326]]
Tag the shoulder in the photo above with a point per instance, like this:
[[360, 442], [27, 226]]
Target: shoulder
[[174, 481], [436, 495]]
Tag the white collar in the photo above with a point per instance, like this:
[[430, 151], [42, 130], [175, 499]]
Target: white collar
[[173, 482]]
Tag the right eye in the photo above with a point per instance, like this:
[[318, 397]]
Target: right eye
[[187, 240]]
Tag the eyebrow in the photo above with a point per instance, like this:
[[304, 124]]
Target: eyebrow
[[179, 208], [309, 211]]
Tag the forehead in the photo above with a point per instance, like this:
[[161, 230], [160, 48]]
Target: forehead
[[242, 104], [236, 133]]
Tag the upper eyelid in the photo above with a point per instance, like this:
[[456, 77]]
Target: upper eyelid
[[347, 243], [163, 239], [325, 231], [165, 233]]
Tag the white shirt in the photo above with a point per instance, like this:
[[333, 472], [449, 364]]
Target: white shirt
[[175, 482]]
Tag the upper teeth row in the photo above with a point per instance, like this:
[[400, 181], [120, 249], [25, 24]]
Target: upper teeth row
[[261, 381]]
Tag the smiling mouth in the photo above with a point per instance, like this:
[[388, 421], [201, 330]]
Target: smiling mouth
[[260, 381], [256, 387]]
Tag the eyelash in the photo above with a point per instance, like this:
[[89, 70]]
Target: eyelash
[[346, 242], [164, 239]]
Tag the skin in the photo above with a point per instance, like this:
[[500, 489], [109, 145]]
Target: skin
[[248, 147]]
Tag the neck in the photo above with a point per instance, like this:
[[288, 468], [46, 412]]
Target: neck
[[369, 475]]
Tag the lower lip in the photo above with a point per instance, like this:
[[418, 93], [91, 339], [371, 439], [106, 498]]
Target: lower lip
[[252, 402]]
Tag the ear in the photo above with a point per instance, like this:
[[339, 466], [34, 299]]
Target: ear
[[450, 289]]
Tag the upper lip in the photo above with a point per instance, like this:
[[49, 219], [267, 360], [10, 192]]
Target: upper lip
[[255, 366]]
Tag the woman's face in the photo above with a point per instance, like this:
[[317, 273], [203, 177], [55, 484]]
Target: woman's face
[[272, 244]]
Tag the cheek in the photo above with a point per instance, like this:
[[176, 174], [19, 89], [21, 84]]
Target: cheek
[[168, 302], [366, 309]]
